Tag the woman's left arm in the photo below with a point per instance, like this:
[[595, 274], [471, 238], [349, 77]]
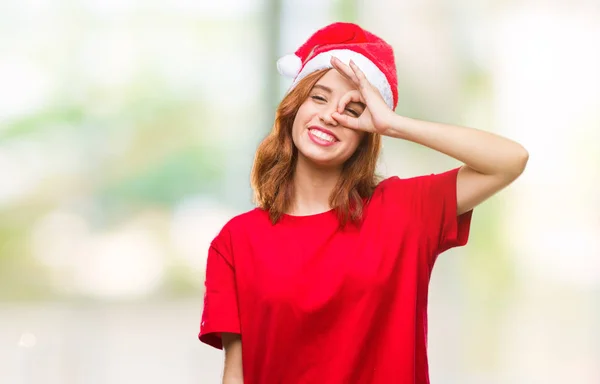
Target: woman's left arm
[[491, 162]]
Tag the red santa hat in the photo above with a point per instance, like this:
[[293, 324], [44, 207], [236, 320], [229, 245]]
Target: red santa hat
[[345, 41]]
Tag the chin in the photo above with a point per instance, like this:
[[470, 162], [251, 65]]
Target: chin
[[323, 160], [322, 157], [326, 163]]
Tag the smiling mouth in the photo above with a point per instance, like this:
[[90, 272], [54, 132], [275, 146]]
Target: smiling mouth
[[322, 135]]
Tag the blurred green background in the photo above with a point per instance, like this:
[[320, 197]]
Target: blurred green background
[[127, 134]]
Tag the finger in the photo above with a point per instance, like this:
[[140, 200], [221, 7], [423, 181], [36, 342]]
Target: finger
[[367, 90], [362, 79], [344, 70], [353, 96], [346, 121]]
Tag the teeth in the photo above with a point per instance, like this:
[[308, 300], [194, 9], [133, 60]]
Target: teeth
[[322, 135]]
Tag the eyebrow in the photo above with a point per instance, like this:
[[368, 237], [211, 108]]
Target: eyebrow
[[326, 89]]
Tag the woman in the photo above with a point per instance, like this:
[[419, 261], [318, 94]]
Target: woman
[[326, 280]]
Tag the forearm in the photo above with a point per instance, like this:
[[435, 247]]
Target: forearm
[[485, 152]]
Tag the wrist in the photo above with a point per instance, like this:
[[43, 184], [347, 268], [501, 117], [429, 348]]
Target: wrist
[[397, 127]]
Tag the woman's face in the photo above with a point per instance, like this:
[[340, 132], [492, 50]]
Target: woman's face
[[320, 139]]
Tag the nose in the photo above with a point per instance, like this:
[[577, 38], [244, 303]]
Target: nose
[[325, 116]]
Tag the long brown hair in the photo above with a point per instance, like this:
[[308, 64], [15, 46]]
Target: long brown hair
[[275, 163]]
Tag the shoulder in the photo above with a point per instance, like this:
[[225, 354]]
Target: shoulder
[[239, 225], [392, 195], [395, 184], [415, 190], [416, 182]]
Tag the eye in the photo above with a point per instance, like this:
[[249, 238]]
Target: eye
[[318, 98], [352, 112]]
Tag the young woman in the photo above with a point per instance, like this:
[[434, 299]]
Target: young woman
[[326, 280]]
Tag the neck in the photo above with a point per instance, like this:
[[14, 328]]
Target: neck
[[312, 187]]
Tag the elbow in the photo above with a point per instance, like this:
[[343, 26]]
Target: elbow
[[233, 377], [232, 380], [521, 158]]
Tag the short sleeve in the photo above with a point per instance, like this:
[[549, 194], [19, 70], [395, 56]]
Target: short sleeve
[[437, 208], [220, 313]]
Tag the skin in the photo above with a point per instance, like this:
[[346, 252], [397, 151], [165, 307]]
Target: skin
[[491, 162], [232, 371], [319, 167]]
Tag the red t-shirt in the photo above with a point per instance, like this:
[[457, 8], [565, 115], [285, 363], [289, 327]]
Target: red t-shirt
[[316, 304]]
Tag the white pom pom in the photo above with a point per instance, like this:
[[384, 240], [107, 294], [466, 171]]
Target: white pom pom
[[289, 65]]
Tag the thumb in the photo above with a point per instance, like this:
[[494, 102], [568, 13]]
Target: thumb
[[345, 120]]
